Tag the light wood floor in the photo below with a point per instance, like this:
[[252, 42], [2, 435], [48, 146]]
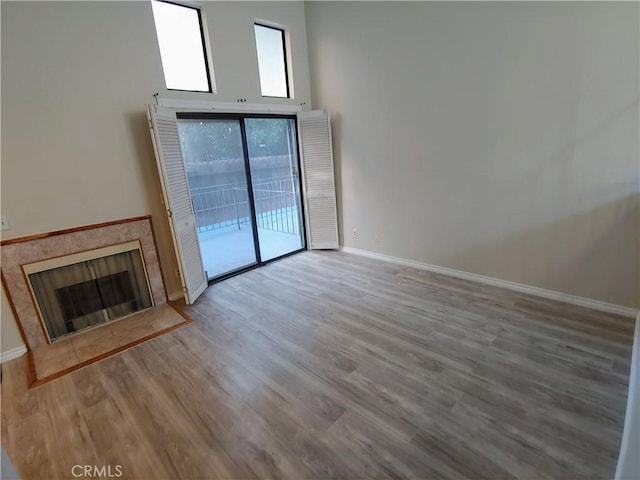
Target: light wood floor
[[326, 365]]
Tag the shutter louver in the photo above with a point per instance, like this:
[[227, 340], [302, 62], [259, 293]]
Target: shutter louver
[[314, 131], [177, 198]]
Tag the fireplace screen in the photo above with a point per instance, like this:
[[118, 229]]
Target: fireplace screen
[[95, 290]]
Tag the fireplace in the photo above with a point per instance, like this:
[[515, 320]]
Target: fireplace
[[84, 290], [89, 290], [86, 293]]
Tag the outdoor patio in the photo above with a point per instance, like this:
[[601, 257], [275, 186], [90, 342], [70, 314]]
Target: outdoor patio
[[223, 220], [230, 248]]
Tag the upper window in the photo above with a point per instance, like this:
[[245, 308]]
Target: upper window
[[272, 61], [182, 46]]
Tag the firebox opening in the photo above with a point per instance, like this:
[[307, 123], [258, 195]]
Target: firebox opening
[[83, 290]]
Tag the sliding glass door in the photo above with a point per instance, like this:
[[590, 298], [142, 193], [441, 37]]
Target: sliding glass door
[[273, 158], [244, 183], [218, 183]]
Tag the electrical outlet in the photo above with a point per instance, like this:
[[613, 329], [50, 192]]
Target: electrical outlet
[[4, 224], [355, 232]]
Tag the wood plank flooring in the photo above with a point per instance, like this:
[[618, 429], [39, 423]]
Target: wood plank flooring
[[329, 365]]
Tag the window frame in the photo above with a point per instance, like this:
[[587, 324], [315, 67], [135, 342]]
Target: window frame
[[286, 48], [206, 48]]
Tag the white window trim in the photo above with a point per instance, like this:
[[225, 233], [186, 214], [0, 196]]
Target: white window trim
[[201, 105], [287, 47], [207, 46], [208, 56]]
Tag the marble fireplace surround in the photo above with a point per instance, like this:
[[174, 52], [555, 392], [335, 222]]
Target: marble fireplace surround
[[20, 251]]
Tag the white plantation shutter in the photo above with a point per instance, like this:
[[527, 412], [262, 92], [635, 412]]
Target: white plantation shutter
[[314, 130], [177, 200]]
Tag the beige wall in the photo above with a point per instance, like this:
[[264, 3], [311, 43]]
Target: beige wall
[[9, 335], [495, 138], [75, 80]]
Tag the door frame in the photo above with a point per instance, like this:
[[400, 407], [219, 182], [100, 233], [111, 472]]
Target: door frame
[[240, 117]]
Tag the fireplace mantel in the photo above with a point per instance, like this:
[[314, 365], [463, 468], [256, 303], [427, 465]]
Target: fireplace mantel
[[25, 250]]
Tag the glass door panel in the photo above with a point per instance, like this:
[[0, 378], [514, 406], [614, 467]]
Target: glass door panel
[[216, 171], [275, 178]]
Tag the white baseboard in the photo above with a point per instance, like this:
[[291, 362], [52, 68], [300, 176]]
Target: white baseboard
[[13, 353], [496, 282], [173, 296]]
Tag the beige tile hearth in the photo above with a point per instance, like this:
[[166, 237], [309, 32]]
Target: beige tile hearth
[[123, 330], [69, 354], [53, 358], [100, 339], [163, 319]]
